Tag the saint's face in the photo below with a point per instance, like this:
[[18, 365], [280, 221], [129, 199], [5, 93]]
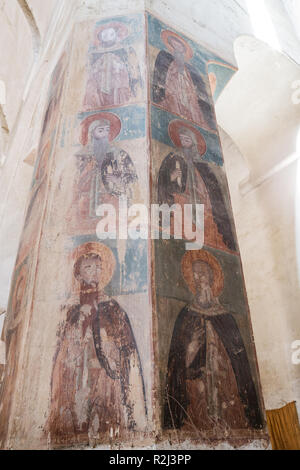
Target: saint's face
[[90, 270], [177, 46], [186, 141], [109, 36], [203, 280], [202, 275], [101, 132]]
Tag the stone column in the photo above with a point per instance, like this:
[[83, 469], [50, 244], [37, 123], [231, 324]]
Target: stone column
[[115, 341]]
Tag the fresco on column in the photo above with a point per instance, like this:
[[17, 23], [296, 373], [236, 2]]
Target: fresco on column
[[107, 167], [177, 84], [101, 387], [38, 189], [89, 308], [114, 70], [206, 357], [14, 326], [105, 170], [97, 380]]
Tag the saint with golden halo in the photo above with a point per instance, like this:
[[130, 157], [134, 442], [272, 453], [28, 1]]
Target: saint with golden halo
[[97, 381], [209, 380]]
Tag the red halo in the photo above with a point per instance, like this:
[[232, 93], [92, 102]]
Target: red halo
[[165, 35], [115, 126], [174, 127]]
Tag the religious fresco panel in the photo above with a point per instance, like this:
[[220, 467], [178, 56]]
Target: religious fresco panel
[[97, 379], [206, 358], [89, 310], [115, 63]]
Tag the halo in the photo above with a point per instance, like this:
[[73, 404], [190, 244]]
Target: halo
[[120, 28], [174, 127], [115, 126], [167, 34], [107, 258], [202, 255]]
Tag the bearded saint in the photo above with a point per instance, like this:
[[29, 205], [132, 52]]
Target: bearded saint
[[97, 383], [185, 178], [105, 173]]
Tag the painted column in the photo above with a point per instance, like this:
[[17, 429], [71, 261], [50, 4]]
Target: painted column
[[114, 340]]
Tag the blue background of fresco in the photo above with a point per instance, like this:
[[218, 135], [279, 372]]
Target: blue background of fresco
[[160, 120], [133, 119]]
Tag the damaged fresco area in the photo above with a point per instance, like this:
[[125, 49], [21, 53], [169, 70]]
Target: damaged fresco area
[[114, 71], [15, 322], [205, 353]]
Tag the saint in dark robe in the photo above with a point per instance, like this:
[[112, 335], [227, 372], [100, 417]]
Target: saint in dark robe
[[209, 380], [185, 178], [114, 76], [178, 87], [97, 382]]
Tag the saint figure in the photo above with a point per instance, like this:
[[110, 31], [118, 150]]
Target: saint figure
[[209, 380], [114, 75], [105, 172], [186, 178], [97, 382], [177, 86]]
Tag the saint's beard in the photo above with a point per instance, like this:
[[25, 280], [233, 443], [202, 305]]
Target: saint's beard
[[100, 147], [179, 59], [107, 44], [204, 296], [190, 153]]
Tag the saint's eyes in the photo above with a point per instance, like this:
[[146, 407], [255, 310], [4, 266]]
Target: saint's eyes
[[89, 266]]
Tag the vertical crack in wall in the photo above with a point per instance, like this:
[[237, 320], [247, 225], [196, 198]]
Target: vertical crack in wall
[[36, 35]]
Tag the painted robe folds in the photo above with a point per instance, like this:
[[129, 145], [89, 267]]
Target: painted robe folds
[[209, 379], [97, 384]]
